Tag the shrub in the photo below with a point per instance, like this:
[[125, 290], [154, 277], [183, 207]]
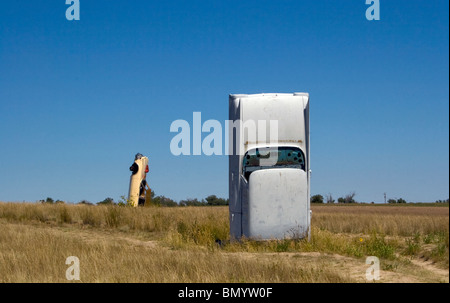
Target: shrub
[[107, 201], [317, 199], [84, 202]]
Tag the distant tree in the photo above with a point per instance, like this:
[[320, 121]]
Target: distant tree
[[349, 198], [164, 201], [212, 200], [107, 201], [401, 200], [317, 199], [156, 200], [48, 200], [330, 199], [392, 201], [59, 202], [192, 202], [84, 202]]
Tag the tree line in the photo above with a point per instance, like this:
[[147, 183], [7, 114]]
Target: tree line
[[350, 198], [211, 200]]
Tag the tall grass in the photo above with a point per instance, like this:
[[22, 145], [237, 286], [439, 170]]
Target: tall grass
[[196, 233], [390, 221], [38, 254]]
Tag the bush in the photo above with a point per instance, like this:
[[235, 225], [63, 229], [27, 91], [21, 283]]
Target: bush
[[192, 202], [348, 198], [107, 201], [84, 202], [164, 201], [317, 199], [393, 201], [48, 200], [213, 200]]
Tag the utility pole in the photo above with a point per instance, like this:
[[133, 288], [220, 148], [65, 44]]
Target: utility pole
[[384, 198]]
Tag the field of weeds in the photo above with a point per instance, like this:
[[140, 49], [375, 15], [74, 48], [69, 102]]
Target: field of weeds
[[191, 244]]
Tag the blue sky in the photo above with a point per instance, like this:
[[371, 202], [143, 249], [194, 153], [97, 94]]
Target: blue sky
[[78, 99]]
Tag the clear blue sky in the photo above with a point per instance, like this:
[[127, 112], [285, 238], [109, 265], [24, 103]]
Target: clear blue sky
[[78, 99]]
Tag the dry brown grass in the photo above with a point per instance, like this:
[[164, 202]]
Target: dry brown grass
[[38, 254], [156, 244], [389, 220]]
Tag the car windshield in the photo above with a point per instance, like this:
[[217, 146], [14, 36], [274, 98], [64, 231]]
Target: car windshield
[[273, 157]]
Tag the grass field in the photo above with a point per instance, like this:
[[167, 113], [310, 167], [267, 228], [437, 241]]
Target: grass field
[[157, 244]]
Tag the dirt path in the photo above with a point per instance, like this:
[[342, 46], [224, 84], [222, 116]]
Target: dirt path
[[417, 271], [431, 267]]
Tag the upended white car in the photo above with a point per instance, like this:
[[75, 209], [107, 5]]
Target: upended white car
[[269, 167]]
